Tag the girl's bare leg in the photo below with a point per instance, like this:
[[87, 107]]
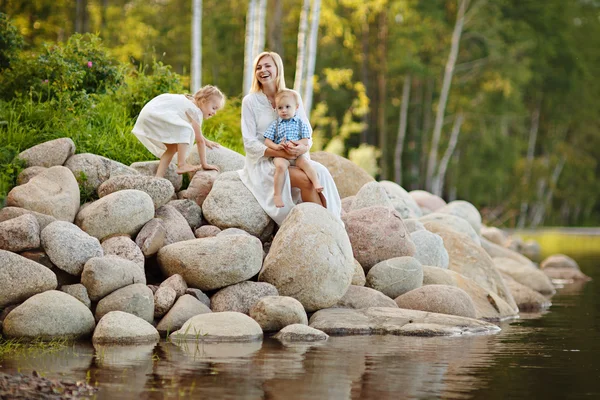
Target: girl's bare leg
[[305, 166], [281, 165], [165, 159], [299, 179], [182, 167]]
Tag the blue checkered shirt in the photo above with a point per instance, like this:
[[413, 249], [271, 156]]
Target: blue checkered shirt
[[291, 129]]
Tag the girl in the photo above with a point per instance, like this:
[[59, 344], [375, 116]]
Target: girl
[[169, 123]]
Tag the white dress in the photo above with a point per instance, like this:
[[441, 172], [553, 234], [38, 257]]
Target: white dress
[[259, 171], [167, 119]]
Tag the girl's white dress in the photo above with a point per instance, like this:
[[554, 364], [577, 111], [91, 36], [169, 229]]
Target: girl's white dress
[[259, 171], [167, 119]]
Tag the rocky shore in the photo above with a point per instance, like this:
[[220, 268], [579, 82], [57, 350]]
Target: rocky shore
[[148, 260]]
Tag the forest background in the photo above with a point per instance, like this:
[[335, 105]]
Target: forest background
[[491, 101]]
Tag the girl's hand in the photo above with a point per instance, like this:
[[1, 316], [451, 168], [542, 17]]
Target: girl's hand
[[207, 167], [210, 144]]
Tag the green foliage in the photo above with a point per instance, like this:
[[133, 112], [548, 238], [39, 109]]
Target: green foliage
[[10, 42], [225, 127]]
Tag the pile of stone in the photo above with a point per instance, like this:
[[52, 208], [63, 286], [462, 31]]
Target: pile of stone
[[147, 259]]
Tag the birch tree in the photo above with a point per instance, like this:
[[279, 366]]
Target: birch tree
[[440, 177], [441, 109], [258, 43], [249, 46], [312, 54], [301, 52], [533, 131], [196, 67], [402, 129]]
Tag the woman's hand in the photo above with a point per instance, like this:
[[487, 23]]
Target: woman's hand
[[295, 149]]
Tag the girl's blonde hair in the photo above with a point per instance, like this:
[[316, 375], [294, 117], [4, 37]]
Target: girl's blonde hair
[[207, 92], [256, 85]]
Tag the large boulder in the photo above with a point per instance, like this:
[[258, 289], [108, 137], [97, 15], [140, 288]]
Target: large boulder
[[53, 192], [430, 249], [274, 313], [242, 296], [395, 321], [186, 307], [20, 233], [396, 276], [432, 221], [310, 258], [92, 170], [495, 250], [160, 190], [526, 275], [103, 275], [28, 173], [189, 210], [50, 315], [370, 195], [231, 205], [428, 202], [377, 234], [213, 263], [440, 299], [48, 154], [164, 299], [527, 299], [364, 297], [359, 278], [151, 237], [78, 291], [226, 159], [348, 177], [136, 299], [560, 266], [470, 260], [21, 278], [124, 247], [225, 326], [176, 226], [402, 200], [43, 220], [199, 187], [464, 210], [68, 247], [148, 168], [121, 213], [118, 327]]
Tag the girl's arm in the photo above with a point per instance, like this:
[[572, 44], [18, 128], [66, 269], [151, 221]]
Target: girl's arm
[[201, 145]]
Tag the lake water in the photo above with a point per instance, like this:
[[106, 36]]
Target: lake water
[[543, 356]]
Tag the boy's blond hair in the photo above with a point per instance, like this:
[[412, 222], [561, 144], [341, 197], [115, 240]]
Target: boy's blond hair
[[287, 93], [205, 93]]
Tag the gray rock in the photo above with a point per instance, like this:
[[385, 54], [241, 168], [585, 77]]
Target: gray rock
[[527, 299], [465, 210], [430, 249], [40, 257], [396, 276], [124, 247], [28, 173], [231, 205], [347, 204], [399, 195], [199, 187], [232, 231], [160, 190], [123, 328], [426, 201], [371, 194], [359, 278], [79, 292], [222, 327], [213, 263], [136, 299], [440, 299], [199, 295], [152, 237], [413, 225], [164, 298], [206, 231], [377, 234], [21, 278], [310, 258], [148, 168], [68, 247], [458, 224], [300, 333], [103, 275], [396, 321], [348, 176], [364, 297], [224, 158], [90, 170], [49, 315], [177, 283], [8, 213], [242, 296], [48, 154], [185, 307], [54, 192], [118, 169], [274, 313], [495, 235], [190, 211], [121, 213], [526, 275], [176, 226], [20, 233]]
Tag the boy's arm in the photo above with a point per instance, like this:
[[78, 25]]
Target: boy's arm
[[272, 145]]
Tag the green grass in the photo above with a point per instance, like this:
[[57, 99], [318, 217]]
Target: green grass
[[21, 346]]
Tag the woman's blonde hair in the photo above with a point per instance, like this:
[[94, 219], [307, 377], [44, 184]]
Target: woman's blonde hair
[[256, 85], [207, 92]]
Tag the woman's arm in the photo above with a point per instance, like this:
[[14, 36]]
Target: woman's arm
[[255, 149]]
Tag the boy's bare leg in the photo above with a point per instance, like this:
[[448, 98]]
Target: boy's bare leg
[[182, 166], [165, 159], [304, 165], [281, 165]]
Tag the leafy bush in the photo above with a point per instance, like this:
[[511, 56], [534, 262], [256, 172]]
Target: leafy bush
[[10, 42], [225, 127]]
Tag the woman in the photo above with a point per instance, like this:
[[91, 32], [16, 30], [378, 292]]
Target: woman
[[258, 111]]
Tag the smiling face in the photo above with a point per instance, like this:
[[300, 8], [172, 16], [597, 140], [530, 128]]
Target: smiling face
[[210, 106], [286, 106], [266, 71]]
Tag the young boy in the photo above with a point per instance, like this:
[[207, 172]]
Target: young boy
[[288, 127]]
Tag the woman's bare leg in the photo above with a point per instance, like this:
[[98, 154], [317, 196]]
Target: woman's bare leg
[[299, 179], [281, 165], [304, 165], [165, 159]]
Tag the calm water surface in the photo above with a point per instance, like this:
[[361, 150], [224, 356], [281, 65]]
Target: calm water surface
[[553, 355]]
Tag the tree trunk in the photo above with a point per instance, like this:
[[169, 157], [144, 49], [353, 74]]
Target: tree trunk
[[364, 76], [441, 109], [81, 16], [415, 142], [402, 130], [301, 50], [533, 131], [382, 82], [315, 17], [196, 67], [259, 28], [103, 16], [538, 216], [249, 46], [441, 175], [275, 33]]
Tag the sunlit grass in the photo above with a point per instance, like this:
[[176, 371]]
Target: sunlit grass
[[21, 346]]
